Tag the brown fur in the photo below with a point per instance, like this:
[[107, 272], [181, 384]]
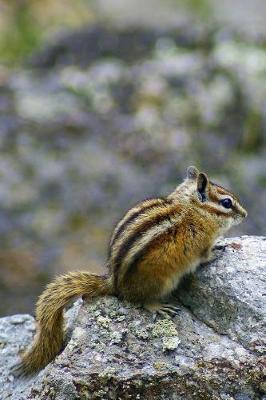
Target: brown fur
[[152, 247]]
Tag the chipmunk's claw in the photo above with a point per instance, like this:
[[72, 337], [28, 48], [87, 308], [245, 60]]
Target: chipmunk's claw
[[163, 309], [18, 371]]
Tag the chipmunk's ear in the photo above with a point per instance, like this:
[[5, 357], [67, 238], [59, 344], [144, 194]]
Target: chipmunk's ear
[[192, 172], [202, 186]]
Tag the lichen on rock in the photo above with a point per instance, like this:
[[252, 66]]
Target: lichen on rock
[[116, 350]]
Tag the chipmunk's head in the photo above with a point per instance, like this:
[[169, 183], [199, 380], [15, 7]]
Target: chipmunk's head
[[214, 200], [222, 204]]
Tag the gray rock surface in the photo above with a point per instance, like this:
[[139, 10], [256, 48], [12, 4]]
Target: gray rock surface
[[214, 349], [231, 298]]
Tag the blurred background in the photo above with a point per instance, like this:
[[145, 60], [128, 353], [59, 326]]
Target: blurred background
[[105, 103]]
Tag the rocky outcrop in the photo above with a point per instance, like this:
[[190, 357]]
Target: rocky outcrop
[[213, 349]]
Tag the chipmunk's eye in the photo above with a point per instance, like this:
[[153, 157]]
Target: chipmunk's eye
[[226, 203]]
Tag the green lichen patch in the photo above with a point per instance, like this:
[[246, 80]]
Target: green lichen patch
[[170, 343], [103, 321], [164, 328]]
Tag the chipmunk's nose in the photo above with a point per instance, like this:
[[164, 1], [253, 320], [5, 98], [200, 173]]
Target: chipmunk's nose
[[243, 213]]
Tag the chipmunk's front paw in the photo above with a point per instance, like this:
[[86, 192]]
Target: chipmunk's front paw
[[213, 254], [220, 247], [209, 257]]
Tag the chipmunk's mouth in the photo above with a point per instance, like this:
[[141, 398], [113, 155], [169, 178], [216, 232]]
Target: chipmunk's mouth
[[239, 218]]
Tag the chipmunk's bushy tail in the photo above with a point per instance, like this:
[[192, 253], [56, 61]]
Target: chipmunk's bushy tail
[[49, 314]]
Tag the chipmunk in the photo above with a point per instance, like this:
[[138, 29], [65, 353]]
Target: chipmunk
[[152, 247]]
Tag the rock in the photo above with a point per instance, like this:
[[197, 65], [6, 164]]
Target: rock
[[213, 349], [234, 303]]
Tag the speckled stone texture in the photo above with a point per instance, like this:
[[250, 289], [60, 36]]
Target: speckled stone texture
[[213, 349]]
